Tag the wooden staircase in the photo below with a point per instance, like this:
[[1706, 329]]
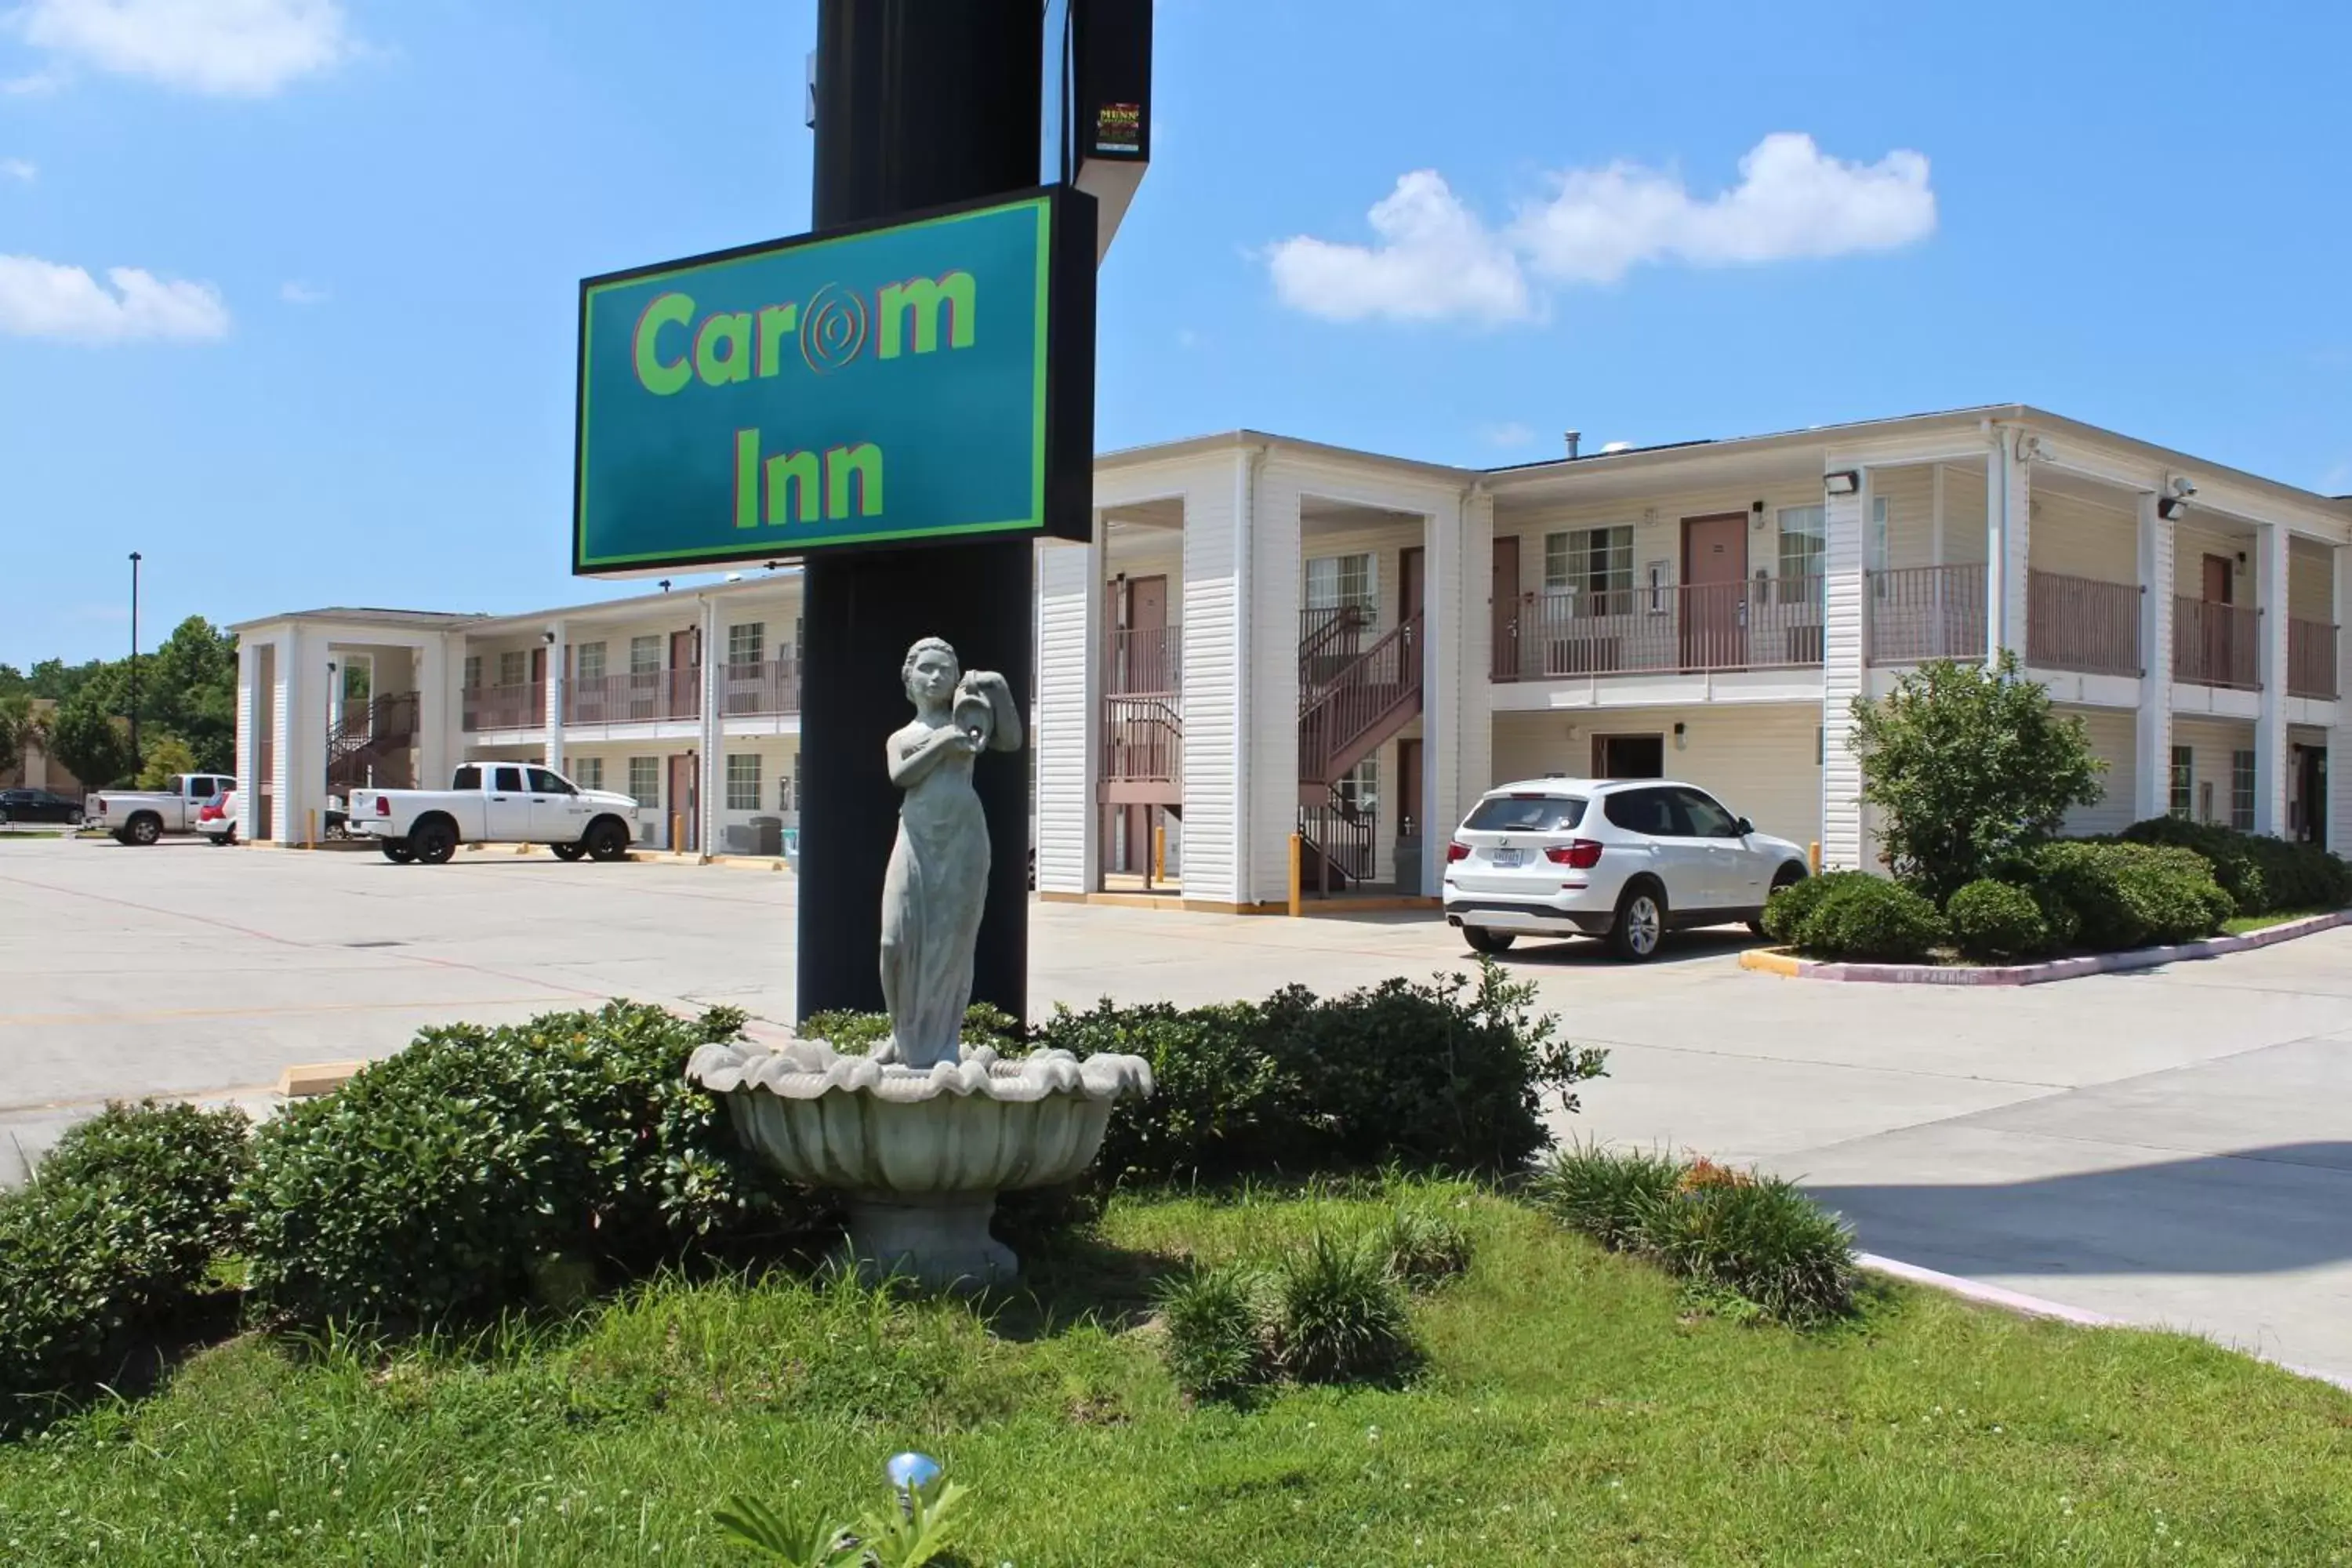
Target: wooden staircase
[[360, 742], [1351, 702]]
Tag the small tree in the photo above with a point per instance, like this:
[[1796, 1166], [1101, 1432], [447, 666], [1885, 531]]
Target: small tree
[[169, 755], [86, 738], [1972, 768]]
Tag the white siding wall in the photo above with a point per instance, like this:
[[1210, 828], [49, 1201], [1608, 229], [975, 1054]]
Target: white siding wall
[[2084, 537], [1069, 668], [1276, 590], [1760, 761], [2310, 582], [2114, 737], [1657, 524], [1213, 675], [2212, 741], [1845, 842]]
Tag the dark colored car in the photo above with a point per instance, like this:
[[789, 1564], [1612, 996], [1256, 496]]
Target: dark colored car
[[37, 805]]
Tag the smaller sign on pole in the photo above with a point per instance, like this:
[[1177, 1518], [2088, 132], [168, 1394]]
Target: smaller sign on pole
[[925, 379]]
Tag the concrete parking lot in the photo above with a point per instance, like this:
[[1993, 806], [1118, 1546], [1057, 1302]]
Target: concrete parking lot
[[2173, 1147]]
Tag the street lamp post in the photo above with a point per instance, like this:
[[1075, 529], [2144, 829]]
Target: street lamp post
[[134, 662]]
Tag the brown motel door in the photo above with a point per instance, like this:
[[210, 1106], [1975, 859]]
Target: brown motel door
[[1713, 596], [1507, 608], [684, 810]]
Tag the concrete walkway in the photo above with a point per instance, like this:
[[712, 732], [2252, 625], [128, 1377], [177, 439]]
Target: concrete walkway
[[2172, 1147]]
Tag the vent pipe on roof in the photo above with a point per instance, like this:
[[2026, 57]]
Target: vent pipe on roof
[[1574, 437]]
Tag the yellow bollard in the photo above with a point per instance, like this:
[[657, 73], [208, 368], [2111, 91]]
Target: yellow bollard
[[1158, 852], [311, 830], [1295, 856], [677, 833], [1813, 856]]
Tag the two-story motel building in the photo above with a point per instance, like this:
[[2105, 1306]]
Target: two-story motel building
[[1269, 636]]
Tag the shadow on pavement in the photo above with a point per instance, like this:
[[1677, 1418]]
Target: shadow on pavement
[[2251, 1211], [1585, 951]]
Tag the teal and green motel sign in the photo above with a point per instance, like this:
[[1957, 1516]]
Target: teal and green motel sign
[[929, 379]]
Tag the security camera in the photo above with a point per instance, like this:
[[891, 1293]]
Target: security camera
[[2182, 488]]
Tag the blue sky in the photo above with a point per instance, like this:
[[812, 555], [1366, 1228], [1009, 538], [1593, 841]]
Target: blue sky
[[340, 367]]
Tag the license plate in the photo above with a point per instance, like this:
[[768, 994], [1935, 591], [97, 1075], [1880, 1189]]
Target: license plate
[[1508, 857]]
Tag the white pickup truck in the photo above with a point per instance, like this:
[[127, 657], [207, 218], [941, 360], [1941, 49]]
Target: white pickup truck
[[143, 815], [496, 802]]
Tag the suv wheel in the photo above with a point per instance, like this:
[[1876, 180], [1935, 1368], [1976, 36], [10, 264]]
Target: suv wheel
[[1641, 924], [1482, 939]]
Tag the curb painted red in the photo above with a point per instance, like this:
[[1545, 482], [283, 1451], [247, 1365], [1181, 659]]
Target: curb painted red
[[1783, 964]]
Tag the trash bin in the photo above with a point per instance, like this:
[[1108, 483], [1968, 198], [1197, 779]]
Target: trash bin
[[767, 836], [1408, 865]]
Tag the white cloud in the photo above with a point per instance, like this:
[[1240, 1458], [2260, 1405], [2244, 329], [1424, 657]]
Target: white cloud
[[1435, 261], [23, 169], [45, 300], [1791, 201], [233, 48], [38, 82], [294, 292], [1508, 437]]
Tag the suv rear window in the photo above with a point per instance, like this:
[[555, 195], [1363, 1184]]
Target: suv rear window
[[1527, 814]]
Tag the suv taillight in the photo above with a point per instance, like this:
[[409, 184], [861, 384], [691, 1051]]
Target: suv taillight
[[1457, 850], [1583, 854]]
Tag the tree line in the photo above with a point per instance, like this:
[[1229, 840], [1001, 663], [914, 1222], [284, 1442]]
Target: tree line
[[187, 710]]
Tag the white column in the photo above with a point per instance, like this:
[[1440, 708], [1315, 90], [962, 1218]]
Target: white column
[[2008, 529], [1456, 728], [2152, 772], [1216, 785], [300, 747], [1270, 758], [557, 665], [2270, 725], [2339, 734], [1844, 846], [252, 704], [1068, 724], [714, 733], [437, 740]]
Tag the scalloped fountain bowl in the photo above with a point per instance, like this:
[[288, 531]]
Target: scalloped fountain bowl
[[920, 1153]]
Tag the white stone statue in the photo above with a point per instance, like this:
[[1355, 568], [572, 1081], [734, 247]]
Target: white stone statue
[[937, 884]]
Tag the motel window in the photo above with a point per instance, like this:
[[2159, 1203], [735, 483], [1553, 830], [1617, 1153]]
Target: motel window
[[645, 781], [1590, 561], [511, 666], [1337, 581], [1878, 547], [2184, 770], [588, 773], [2242, 791], [1360, 787], [644, 655], [1803, 541], [743, 781], [588, 662], [473, 672], [747, 643]]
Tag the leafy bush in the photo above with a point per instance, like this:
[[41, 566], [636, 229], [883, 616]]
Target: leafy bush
[[440, 1182], [2262, 874], [2132, 895], [1216, 1336], [1871, 919], [119, 1228], [1421, 1248], [1787, 908], [1993, 920], [1971, 767], [857, 1034], [1338, 1315], [1757, 1240], [1442, 1077]]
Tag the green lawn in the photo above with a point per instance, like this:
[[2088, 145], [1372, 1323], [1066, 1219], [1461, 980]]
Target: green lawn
[[2240, 925], [1570, 1412]]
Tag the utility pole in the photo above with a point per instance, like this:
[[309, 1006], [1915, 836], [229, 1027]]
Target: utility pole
[[135, 663], [919, 103]]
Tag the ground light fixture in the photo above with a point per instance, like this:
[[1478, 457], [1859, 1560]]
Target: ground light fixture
[[1843, 482], [912, 1474]]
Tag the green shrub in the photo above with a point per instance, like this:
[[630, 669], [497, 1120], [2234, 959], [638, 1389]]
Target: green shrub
[[2261, 874], [1789, 908], [119, 1228], [1602, 1193], [2123, 896], [1421, 1248], [439, 1183], [1759, 1238], [857, 1034], [1216, 1334], [1338, 1315], [1992, 919], [1871, 919], [1443, 1077]]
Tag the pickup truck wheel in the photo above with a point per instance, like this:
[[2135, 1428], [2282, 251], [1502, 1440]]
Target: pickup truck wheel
[[569, 851], [607, 839], [397, 851], [433, 843], [145, 828]]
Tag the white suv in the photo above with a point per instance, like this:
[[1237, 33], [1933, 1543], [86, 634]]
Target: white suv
[[1629, 859]]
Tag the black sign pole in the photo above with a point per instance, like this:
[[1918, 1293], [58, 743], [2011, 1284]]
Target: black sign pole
[[919, 103]]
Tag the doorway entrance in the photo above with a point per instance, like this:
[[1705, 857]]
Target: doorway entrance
[[2310, 774], [1629, 756], [1713, 618], [1505, 607], [684, 824]]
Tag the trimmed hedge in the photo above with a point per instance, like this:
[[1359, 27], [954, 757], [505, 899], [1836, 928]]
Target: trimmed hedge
[[2261, 874], [1993, 920], [482, 1167], [2124, 896], [118, 1230], [1786, 910], [1868, 920]]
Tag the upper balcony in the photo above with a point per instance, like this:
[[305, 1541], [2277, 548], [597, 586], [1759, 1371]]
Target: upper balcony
[[520, 705], [1685, 628]]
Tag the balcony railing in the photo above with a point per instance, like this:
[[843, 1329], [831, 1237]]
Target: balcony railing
[[2082, 624], [1694, 627], [1329, 639], [772, 687], [1144, 660], [643, 697], [2217, 644], [1143, 740], [2310, 659], [521, 706], [1918, 613]]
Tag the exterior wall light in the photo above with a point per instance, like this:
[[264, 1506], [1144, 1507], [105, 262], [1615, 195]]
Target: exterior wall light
[[1845, 482], [2172, 509]]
